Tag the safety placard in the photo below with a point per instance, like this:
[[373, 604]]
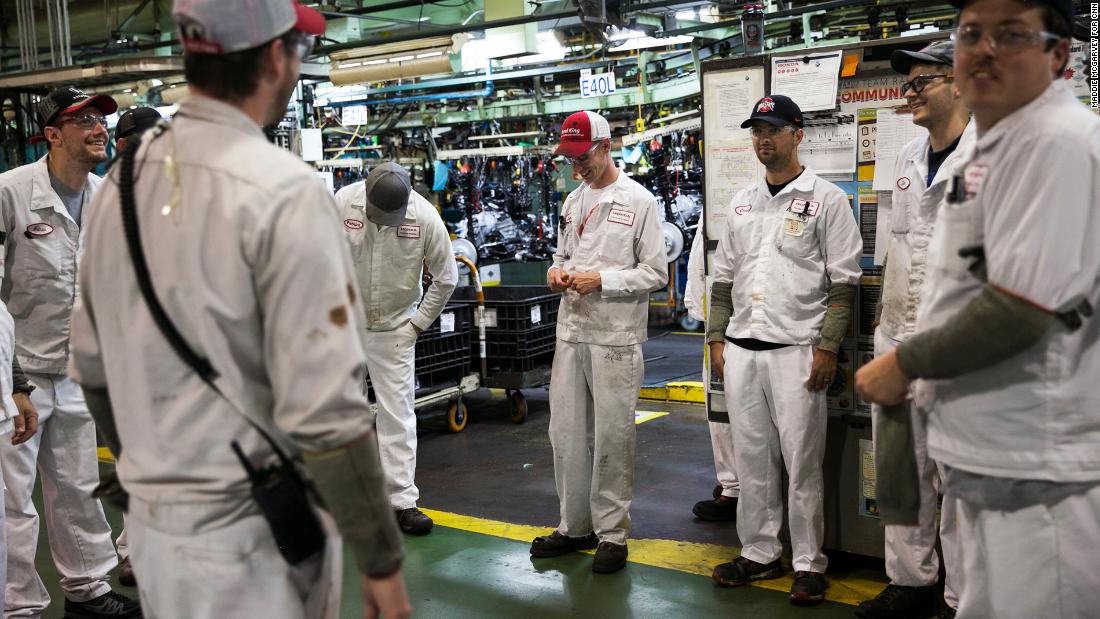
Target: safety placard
[[447, 323], [598, 85]]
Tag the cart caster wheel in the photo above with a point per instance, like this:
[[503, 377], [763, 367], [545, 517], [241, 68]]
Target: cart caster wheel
[[519, 406], [456, 416], [687, 323]]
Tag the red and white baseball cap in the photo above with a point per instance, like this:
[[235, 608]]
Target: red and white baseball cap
[[580, 131], [218, 27]]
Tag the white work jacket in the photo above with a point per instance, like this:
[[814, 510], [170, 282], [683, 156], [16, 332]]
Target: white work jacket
[[389, 261], [623, 242], [912, 216], [781, 253], [1032, 186], [253, 269], [41, 256]]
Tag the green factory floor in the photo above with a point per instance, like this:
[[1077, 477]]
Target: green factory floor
[[490, 489]]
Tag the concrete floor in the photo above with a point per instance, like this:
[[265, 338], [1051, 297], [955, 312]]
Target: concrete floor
[[501, 473]]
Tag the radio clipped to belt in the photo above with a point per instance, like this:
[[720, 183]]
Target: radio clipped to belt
[[279, 490]]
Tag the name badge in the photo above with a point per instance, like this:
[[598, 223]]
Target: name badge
[[793, 225], [619, 216], [408, 231], [974, 177], [812, 207], [798, 207]]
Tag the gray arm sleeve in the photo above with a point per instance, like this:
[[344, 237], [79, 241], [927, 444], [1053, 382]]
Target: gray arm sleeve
[[350, 482], [19, 382], [990, 329], [99, 405], [721, 308], [837, 314]]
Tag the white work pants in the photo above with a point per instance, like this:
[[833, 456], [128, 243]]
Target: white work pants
[[593, 391], [1038, 562], [776, 420], [63, 451], [391, 361], [721, 443], [228, 571]]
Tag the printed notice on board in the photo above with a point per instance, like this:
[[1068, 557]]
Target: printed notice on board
[[895, 130], [811, 81], [729, 161], [830, 149]]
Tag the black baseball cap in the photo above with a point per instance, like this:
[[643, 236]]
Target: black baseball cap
[[69, 99], [1065, 7], [777, 110], [135, 121], [939, 52]]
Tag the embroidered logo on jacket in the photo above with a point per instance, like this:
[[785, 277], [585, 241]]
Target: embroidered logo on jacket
[[353, 224]]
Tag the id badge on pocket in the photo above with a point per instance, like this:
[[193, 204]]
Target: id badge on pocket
[[793, 225]]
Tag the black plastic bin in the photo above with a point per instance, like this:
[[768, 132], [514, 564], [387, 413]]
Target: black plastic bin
[[521, 325]]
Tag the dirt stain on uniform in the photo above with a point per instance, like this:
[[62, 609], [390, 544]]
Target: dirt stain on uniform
[[351, 294], [338, 315]]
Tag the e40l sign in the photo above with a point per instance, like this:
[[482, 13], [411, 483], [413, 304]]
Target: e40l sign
[[597, 85]]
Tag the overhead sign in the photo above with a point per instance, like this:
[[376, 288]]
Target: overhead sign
[[599, 85]]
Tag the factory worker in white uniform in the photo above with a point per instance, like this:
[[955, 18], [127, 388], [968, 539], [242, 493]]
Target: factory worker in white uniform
[[610, 256], [723, 505], [43, 208], [785, 279], [923, 173], [1007, 347], [248, 263], [393, 232]]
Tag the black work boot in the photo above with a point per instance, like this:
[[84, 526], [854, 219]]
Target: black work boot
[[722, 509], [413, 521], [899, 602], [556, 544], [808, 588], [610, 557], [741, 571], [109, 604]]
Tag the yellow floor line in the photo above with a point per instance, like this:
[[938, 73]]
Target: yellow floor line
[[684, 391], [105, 455], [699, 333], [688, 557], [641, 417]]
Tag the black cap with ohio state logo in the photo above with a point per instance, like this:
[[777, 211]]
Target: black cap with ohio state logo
[[776, 110]]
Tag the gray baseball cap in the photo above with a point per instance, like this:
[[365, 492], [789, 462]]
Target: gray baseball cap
[[387, 190], [939, 52], [218, 27]]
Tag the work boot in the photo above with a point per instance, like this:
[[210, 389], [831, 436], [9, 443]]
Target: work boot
[[946, 612], [722, 509], [717, 492], [808, 588], [899, 602], [413, 521], [741, 571], [126, 576], [109, 604], [556, 544], [610, 557]]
